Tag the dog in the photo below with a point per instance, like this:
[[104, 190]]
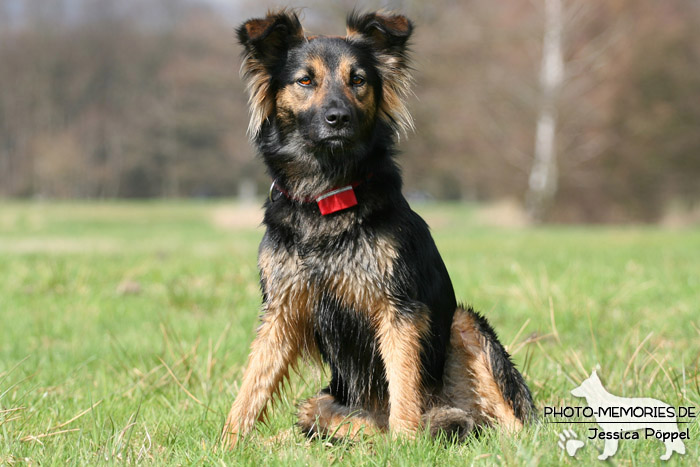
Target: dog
[[350, 275], [614, 425]]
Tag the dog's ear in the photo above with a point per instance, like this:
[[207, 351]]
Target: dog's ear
[[266, 42], [387, 36], [268, 39], [388, 33]]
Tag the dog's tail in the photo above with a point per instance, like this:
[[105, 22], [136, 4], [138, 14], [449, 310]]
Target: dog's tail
[[480, 377]]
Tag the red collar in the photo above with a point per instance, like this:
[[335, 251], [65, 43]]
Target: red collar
[[330, 201]]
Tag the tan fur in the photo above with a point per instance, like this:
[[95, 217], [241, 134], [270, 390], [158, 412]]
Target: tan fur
[[319, 68], [395, 90], [395, 74], [345, 68], [324, 416], [360, 283], [391, 19], [397, 22], [396, 77], [316, 36], [284, 334], [399, 346], [321, 75], [256, 27], [293, 99], [292, 299], [272, 353], [359, 278], [260, 100], [468, 381], [361, 97]]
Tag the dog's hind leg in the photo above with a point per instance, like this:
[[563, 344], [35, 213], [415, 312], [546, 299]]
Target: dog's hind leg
[[479, 376], [323, 415]]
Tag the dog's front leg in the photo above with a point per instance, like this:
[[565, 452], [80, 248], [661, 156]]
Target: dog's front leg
[[400, 348], [273, 350]]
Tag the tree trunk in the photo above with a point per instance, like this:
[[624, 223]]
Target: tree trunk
[[542, 185]]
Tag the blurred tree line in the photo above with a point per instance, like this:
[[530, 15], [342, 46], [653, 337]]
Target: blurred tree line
[[141, 98]]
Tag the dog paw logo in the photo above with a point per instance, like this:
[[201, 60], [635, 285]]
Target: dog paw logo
[[569, 442]]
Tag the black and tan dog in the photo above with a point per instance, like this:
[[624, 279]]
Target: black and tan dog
[[349, 273]]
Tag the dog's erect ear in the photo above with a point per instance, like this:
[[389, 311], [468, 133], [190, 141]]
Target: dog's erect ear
[[388, 32], [268, 39], [387, 36], [266, 42]]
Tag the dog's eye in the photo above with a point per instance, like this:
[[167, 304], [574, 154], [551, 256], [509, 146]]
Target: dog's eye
[[357, 80], [305, 81]]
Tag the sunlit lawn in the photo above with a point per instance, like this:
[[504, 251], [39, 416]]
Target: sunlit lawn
[[124, 328]]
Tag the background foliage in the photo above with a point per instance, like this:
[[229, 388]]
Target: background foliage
[[141, 98]]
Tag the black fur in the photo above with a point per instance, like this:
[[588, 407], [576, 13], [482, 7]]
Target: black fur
[[306, 154], [420, 284], [345, 338]]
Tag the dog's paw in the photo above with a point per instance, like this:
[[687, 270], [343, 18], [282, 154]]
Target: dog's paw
[[453, 423], [569, 442], [230, 435]]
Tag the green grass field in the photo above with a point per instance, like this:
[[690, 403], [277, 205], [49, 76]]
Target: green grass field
[[125, 327]]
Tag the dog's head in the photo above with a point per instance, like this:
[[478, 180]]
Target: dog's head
[[326, 93]]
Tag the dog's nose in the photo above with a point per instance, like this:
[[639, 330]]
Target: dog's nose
[[337, 117]]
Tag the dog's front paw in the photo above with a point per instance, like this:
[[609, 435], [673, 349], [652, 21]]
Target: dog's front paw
[[403, 429], [230, 435]]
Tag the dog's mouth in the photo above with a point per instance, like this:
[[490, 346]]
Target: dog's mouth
[[335, 142]]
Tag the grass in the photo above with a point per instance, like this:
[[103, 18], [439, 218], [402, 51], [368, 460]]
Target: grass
[[125, 327]]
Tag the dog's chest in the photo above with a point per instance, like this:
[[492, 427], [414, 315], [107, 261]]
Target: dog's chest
[[356, 274], [352, 292], [342, 291]]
